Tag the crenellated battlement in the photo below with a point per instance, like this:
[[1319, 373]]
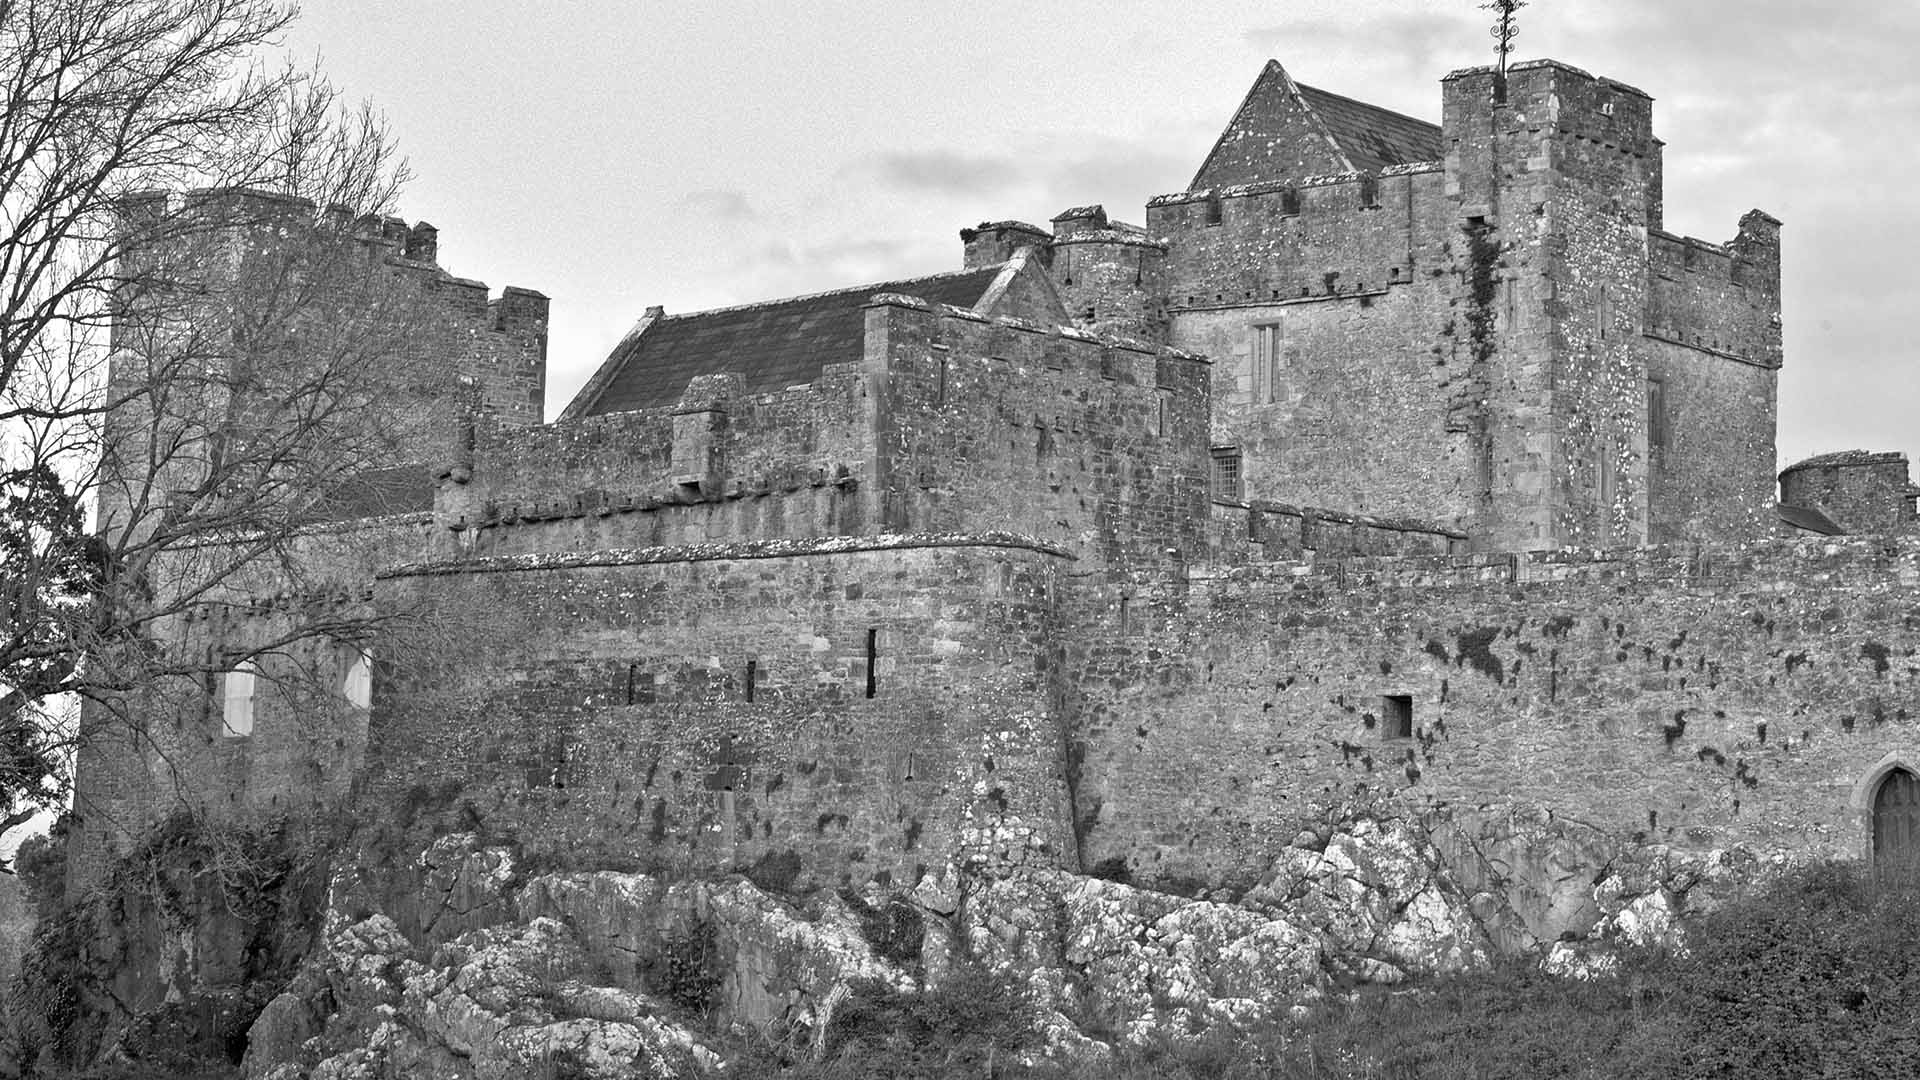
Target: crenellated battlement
[[1094, 441], [1552, 98], [1356, 179], [1722, 299], [1339, 235]]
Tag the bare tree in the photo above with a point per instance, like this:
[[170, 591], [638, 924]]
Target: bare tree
[[213, 370]]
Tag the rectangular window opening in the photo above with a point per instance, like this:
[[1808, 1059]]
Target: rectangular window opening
[[1125, 622], [358, 685], [1267, 340], [236, 711], [1226, 474], [873, 657], [1657, 433], [640, 686], [1396, 716], [1608, 479], [753, 677]]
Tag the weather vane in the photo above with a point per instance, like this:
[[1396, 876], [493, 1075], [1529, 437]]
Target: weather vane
[[1504, 32]]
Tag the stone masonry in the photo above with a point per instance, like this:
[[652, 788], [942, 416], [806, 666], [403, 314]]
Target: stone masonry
[[1387, 457]]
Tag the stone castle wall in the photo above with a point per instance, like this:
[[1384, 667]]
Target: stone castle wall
[[1712, 347], [1094, 444], [144, 755], [1860, 491], [1696, 697], [846, 709]]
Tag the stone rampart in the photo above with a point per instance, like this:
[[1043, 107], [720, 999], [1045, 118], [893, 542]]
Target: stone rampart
[[831, 711], [1694, 697], [1341, 235], [1094, 443]]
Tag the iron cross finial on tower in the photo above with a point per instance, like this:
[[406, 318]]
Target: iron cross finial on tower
[[1504, 31]]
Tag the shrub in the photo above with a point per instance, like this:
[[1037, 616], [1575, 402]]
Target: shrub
[[971, 1025], [687, 970]]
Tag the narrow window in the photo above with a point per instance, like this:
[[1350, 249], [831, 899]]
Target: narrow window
[[940, 392], [633, 671], [236, 712], [1126, 624], [1396, 716], [1213, 210], [358, 686], [873, 657], [1606, 468], [1290, 201], [1369, 192], [1657, 433], [753, 676], [1267, 339], [1226, 473]]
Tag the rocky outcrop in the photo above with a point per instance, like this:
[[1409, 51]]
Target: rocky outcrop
[[608, 974], [618, 974]]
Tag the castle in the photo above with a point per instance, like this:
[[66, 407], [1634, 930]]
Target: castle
[[1387, 457]]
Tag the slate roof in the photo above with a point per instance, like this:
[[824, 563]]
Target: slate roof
[[773, 345], [1288, 130], [1372, 137], [1807, 519]]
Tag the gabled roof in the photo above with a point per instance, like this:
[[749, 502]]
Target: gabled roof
[[1372, 137], [773, 345], [1286, 131]]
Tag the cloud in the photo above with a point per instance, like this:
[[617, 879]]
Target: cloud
[[1108, 164], [795, 266], [1383, 44], [946, 172], [722, 203]]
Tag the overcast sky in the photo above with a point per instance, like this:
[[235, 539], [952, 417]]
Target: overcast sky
[[619, 154]]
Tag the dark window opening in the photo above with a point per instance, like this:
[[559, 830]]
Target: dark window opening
[[1369, 192], [1657, 430], [640, 686], [1125, 622], [1290, 201], [1396, 716], [753, 677], [1226, 473], [940, 392], [1213, 210], [873, 657]]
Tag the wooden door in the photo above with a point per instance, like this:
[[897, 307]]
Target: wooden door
[[1896, 820]]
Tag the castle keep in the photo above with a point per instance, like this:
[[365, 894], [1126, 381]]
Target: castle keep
[[1386, 458]]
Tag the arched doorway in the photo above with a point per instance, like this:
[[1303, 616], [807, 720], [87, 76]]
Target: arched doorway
[[1896, 820]]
